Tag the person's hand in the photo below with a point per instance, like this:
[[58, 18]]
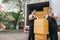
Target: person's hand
[[35, 17], [50, 15]]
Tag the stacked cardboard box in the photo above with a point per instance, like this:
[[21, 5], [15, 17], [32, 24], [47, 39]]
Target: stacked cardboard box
[[41, 26], [40, 37], [41, 29], [45, 9], [39, 14]]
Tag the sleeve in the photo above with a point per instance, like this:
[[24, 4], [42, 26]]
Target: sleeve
[[55, 14], [30, 16], [46, 16]]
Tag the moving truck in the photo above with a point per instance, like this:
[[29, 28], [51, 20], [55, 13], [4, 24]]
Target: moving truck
[[39, 7], [34, 6]]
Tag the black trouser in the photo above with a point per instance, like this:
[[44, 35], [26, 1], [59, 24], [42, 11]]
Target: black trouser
[[53, 32], [31, 33]]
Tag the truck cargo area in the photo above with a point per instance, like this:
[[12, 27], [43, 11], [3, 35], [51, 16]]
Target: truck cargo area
[[37, 7]]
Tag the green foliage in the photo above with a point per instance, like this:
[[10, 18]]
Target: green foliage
[[11, 26], [4, 1], [13, 15], [2, 16], [21, 17], [10, 16]]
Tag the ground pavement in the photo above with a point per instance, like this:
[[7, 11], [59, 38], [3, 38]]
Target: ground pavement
[[16, 36]]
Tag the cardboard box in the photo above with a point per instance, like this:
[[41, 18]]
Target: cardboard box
[[40, 37], [41, 26], [45, 9], [41, 14]]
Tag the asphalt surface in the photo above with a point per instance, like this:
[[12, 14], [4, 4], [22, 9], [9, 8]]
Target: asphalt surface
[[13, 36], [17, 36]]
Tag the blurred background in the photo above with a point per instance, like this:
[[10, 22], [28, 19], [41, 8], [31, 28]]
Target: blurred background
[[13, 12], [13, 17]]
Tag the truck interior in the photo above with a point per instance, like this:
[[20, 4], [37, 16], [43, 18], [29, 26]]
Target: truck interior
[[37, 7]]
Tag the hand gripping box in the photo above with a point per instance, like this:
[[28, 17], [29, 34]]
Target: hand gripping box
[[41, 26]]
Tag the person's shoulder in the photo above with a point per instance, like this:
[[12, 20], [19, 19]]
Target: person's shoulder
[[55, 14], [30, 15]]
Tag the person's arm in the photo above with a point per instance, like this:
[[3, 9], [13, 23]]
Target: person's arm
[[55, 16], [31, 18], [45, 16]]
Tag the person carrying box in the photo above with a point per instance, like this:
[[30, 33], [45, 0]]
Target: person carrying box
[[32, 17], [52, 17]]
